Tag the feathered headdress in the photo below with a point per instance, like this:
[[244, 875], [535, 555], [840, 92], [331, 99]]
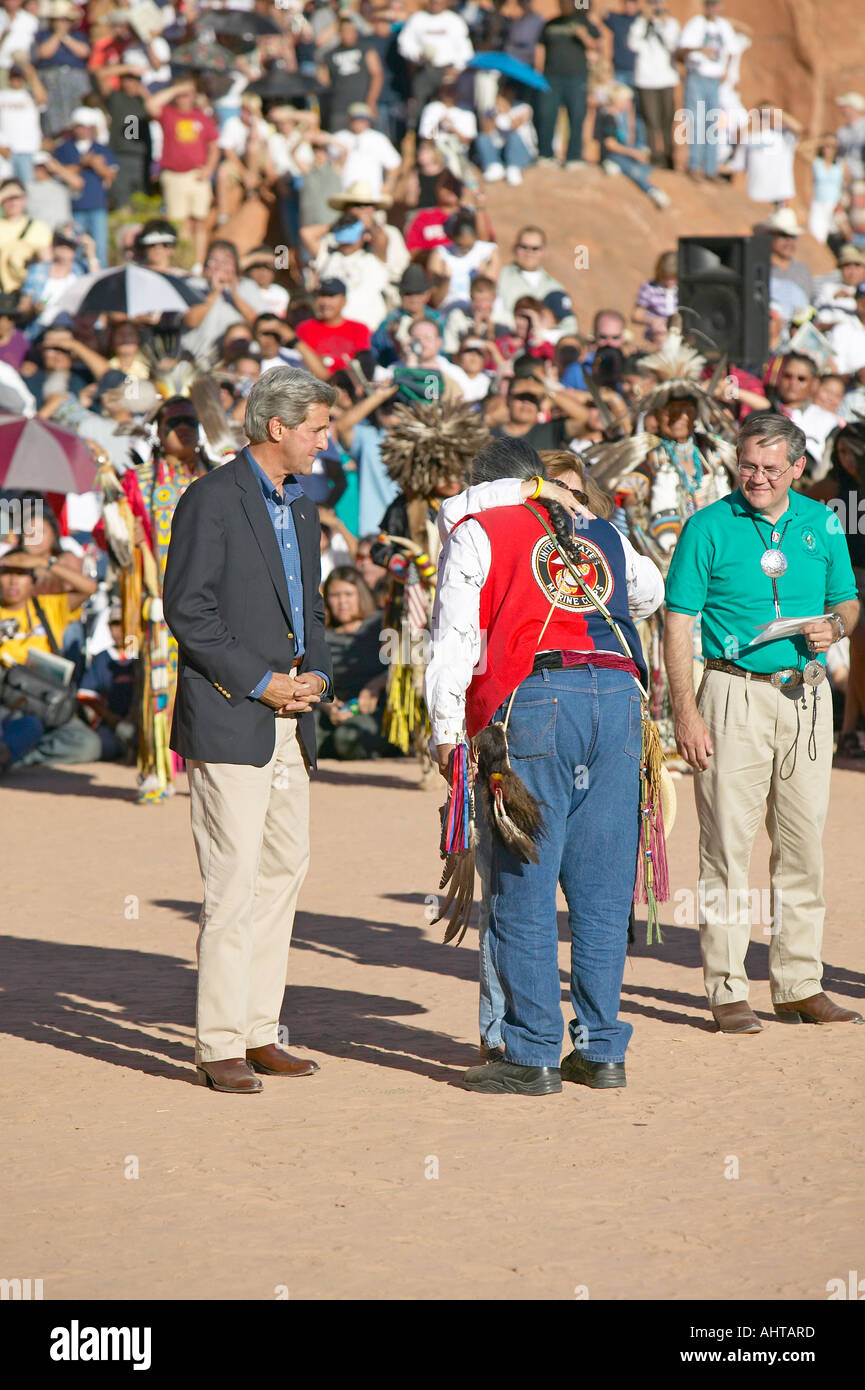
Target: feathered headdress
[[432, 444], [677, 368]]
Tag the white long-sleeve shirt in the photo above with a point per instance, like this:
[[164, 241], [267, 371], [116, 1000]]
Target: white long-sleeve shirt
[[464, 567], [439, 39]]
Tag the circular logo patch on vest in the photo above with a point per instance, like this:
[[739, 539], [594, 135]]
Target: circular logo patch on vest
[[553, 576], [809, 540]]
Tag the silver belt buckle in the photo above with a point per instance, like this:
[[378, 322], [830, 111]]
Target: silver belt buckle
[[784, 677]]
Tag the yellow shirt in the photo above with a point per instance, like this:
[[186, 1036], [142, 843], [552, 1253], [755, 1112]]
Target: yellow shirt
[[58, 612], [20, 243]]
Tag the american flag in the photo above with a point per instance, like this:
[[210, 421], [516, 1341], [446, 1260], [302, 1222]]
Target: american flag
[[415, 601]]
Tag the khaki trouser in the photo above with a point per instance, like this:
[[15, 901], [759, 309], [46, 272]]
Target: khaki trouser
[[753, 730], [251, 832]]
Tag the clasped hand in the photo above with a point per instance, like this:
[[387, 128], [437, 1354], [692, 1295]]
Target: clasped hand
[[292, 694]]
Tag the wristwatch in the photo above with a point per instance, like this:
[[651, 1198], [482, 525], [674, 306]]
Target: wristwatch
[[842, 630]]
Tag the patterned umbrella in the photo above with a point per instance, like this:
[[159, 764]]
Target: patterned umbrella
[[41, 457]]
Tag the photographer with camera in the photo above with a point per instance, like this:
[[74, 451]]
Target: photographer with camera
[[54, 733], [653, 38]]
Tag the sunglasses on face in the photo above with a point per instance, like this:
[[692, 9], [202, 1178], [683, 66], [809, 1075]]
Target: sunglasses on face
[[526, 396], [173, 422], [523, 246]]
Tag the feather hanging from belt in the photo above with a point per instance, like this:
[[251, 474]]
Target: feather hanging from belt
[[512, 812], [653, 879], [458, 841]]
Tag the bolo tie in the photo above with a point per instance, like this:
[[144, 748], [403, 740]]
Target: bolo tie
[[773, 563]]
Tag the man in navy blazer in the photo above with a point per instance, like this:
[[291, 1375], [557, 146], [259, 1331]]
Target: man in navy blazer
[[242, 598]]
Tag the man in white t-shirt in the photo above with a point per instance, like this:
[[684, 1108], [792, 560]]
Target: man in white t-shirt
[[707, 44], [431, 41], [794, 394], [20, 126], [848, 339], [18, 29], [365, 276], [653, 38], [370, 157]]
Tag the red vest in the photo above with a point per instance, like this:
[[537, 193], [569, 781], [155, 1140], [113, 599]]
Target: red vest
[[516, 599]]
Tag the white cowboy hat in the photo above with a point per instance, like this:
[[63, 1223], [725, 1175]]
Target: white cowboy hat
[[854, 99], [782, 222], [359, 194]]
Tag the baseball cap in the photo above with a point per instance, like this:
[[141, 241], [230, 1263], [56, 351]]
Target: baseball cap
[[110, 380], [851, 255], [359, 109], [332, 285], [414, 280], [84, 115], [559, 302], [854, 99]]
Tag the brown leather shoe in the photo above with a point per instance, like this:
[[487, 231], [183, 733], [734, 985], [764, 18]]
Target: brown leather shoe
[[233, 1075], [818, 1008], [736, 1018], [272, 1060]]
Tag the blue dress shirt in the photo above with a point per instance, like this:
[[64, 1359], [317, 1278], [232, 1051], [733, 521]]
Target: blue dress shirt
[[279, 511]]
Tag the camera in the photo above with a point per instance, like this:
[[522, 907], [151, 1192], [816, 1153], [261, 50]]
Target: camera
[[9, 627]]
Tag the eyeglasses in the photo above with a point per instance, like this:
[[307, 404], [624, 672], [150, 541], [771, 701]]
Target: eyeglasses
[[172, 422], [791, 376], [750, 470]]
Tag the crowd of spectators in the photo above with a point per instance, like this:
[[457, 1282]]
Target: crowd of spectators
[[357, 141]]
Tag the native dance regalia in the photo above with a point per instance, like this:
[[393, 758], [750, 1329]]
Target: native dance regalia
[[658, 482], [427, 454], [553, 710], [148, 493]]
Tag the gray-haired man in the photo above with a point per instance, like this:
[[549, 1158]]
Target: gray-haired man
[[759, 734], [242, 598]]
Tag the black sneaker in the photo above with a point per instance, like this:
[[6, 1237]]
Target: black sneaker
[[599, 1075], [501, 1077]]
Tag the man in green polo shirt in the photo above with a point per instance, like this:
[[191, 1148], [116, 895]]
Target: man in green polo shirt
[[758, 734]]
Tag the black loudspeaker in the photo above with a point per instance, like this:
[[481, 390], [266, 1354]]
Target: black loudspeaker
[[724, 295]]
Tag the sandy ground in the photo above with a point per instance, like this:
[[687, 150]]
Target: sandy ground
[[379, 1177]]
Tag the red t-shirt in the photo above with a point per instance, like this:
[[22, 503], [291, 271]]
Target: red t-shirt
[[187, 137], [336, 344]]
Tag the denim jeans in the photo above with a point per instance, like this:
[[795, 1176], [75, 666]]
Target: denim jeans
[[512, 151], [20, 733], [627, 79], [640, 173], [575, 739], [703, 101], [491, 1009], [95, 223], [22, 167], [573, 94]]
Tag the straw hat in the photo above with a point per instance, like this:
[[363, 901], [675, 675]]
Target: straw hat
[[359, 194]]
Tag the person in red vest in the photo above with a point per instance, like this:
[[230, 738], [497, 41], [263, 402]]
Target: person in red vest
[[517, 640]]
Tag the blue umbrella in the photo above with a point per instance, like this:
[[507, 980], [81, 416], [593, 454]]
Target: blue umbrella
[[511, 67]]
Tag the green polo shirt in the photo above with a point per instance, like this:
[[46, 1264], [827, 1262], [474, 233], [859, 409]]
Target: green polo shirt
[[716, 572]]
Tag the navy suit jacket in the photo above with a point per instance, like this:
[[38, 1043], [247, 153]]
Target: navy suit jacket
[[226, 601]]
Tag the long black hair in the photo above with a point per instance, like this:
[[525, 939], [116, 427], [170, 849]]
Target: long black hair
[[511, 457]]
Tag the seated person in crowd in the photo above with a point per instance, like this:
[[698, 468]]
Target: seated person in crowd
[[350, 727], [30, 623]]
